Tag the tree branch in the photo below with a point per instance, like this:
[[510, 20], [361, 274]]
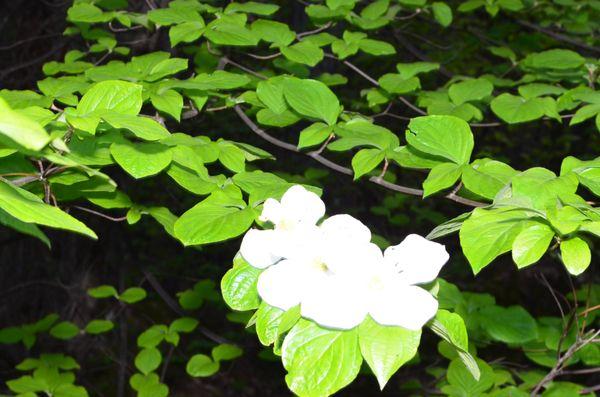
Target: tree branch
[[558, 36], [175, 307], [340, 168]]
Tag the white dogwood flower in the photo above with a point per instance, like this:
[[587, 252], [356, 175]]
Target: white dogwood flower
[[298, 209], [334, 272], [343, 282], [325, 277]]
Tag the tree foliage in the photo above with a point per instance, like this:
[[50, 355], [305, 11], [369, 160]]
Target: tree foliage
[[232, 103]]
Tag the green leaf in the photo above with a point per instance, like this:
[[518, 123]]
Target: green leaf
[[148, 360], [462, 382], [366, 160], [486, 177], [153, 336], [508, 324], [444, 136], [252, 7], [117, 96], [314, 134], [376, 47], [29, 208], [224, 32], [531, 244], [186, 32], [386, 348], [558, 59], [396, 84], [270, 92], [268, 319], [200, 365], [169, 102], [102, 291], [575, 254], [238, 286], [442, 176], [64, 330], [408, 70], [451, 328], [143, 127], [304, 52], [20, 129], [141, 160], [268, 117], [96, 327], [273, 32], [27, 384], [133, 295], [11, 335], [470, 90], [173, 15], [360, 132], [312, 98], [320, 361], [563, 389], [219, 217], [88, 13], [486, 234], [442, 13], [515, 109], [225, 352], [184, 324]]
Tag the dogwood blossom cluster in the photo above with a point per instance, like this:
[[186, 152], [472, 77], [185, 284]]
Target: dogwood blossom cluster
[[333, 270]]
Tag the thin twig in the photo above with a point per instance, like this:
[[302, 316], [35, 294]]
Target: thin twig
[[300, 35], [562, 362], [263, 57], [100, 214], [175, 307], [27, 40], [558, 36], [226, 60]]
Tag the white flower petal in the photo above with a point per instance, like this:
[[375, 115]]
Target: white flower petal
[[334, 303], [346, 228], [271, 211], [301, 206], [258, 248], [352, 259], [402, 305], [283, 284], [417, 259]]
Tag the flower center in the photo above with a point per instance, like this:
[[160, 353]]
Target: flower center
[[376, 283], [321, 266]]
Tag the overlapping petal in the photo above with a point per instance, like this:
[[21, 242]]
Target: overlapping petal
[[335, 302], [403, 305], [283, 285], [417, 259], [298, 206], [258, 248]]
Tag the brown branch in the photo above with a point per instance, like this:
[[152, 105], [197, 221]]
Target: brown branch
[[371, 80], [562, 362], [263, 57], [29, 39], [300, 35], [558, 36], [100, 214], [340, 168]]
